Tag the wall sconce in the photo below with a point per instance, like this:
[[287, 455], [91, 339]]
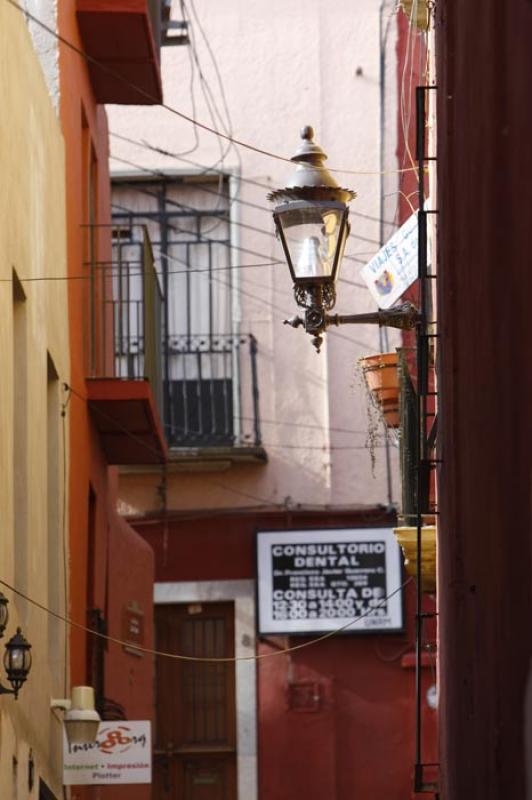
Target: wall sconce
[[17, 658], [81, 720]]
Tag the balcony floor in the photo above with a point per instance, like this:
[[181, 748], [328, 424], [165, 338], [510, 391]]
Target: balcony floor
[[126, 416], [207, 459]]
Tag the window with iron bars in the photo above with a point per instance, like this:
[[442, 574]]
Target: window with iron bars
[[210, 392]]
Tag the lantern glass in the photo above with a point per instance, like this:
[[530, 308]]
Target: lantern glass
[[17, 658], [313, 235], [4, 613]]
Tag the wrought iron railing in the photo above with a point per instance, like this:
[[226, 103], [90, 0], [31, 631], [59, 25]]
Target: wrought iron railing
[[211, 391], [126, 315]]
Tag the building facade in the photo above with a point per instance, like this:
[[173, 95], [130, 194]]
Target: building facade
[[111, 566], [66, 553], [35, 444], [264, 434]]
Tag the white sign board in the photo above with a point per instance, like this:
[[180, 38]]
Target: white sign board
[[395, 267], [315, 581], [120, 754]]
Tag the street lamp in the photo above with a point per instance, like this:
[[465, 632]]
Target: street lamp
[[17, 663], [311, 220], [81, 719]]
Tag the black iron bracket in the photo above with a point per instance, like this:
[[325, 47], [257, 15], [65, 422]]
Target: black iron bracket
[[317, 320]]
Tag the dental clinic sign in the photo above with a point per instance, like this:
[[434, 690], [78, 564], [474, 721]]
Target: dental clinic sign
[[316, 581], [120, 754]]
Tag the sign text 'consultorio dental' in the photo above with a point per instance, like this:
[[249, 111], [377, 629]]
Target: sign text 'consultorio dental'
[[313, 581]]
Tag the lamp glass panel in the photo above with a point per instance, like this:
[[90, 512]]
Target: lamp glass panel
[[15, 659], [311, 236], [4, 613]]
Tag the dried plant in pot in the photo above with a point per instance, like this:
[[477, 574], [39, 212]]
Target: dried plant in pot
[[382, 382]]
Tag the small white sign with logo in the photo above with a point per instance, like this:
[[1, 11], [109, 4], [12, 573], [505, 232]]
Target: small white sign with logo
[[395, 267], [120, 754]]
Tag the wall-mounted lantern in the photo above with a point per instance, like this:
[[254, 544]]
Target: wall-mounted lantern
[[17, 663], [311, 220], [81, 719]]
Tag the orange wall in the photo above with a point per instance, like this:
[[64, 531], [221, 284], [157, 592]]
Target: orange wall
[[123, 570], [87, 464]]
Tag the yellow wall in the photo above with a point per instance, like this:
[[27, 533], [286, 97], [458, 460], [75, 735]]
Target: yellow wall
[[32, 242]]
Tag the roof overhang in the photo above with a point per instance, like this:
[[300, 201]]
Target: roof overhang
[[119, 35]]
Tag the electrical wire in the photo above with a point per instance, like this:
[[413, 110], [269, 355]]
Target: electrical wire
[[260, 300], [154, 450], [124, 211], [275, 307], [202, 659], [143, 144], [137, 186], [129, 213], [325, 447], [211, 105], [154, 100], [192, 93], [111, 270], [214, 62]]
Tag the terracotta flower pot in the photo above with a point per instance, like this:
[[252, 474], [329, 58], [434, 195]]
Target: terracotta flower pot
[[407, 538], [382, 380]]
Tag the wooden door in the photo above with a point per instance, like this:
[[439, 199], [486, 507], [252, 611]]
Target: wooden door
[[195, 732]]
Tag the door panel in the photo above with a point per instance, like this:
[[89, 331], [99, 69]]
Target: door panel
[[195, 737]]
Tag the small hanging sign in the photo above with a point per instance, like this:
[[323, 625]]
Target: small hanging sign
[[120, 754], [133, 627], [395, 267]]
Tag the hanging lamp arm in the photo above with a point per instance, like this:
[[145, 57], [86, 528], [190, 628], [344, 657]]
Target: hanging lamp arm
[[316, 320]]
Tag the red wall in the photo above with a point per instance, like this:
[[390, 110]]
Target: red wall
[[485, 211], [129, 678], [359, 742]]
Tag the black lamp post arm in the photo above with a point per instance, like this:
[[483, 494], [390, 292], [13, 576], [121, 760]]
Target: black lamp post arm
[[406, 316], [316, 320]]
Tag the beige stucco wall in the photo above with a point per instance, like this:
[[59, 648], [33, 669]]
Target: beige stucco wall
[[32, 243], [285, 65]]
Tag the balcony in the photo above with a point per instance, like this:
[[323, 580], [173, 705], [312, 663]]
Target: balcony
[[123, 36], [124, 387], [203, 387]]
